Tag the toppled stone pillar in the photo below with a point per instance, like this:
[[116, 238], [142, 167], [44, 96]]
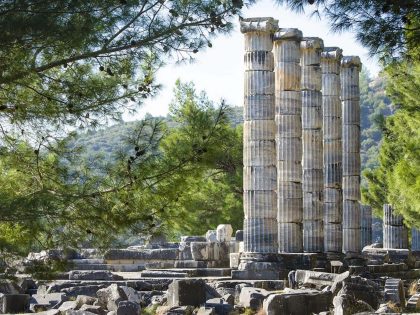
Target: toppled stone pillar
[[260, 228], [312, 159], [366, 225], [288, 139], [332, 132], [415, 239], [395, 233], [350, 96]]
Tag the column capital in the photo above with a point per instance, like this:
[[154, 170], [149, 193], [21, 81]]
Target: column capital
[[259, 24], [288, 34], [351, 61], [331, 53], [312, 43]]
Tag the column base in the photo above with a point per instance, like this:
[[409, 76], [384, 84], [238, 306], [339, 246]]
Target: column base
[[292, 261], [335, 262], [354, 260], [258, 266]]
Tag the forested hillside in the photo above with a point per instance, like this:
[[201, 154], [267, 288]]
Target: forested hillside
[[374, 107]]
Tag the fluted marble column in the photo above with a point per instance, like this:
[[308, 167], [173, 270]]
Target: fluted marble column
[[312, 159], [350, 96], [395, 233], [366, 225], [260, 224], [288, 139], [332, 132], [415, 239]]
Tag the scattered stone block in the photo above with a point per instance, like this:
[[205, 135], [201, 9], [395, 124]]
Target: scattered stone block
[[48, 299], [211, 236], [93, 275], [206, 311], [37, 308], [158, 299], [234, 260], [361, 289], [67, 306], [252, 297], [128, 308], [210, 251], [177, 310], [229, 298], [27, 285], [77, 312], [300, 302], [89, 290], [347, 305], [110, 297], [95, 309], [9, 287], [224, 233], [220, 306], [85, 300], [319, 279], [131, 294], [14, 303], [187, 292]]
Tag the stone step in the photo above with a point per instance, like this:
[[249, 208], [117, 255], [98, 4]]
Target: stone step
[[194, 272], [92, 267], [87, 261], [163, 274], [106, 266]]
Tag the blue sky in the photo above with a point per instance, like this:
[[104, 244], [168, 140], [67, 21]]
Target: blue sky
[[219, 70]]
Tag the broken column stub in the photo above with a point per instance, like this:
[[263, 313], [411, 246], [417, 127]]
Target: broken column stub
[[288, 104], [366, 225], [395, 234], [260, 228], [350, 97], [332, 145], [415, 239], [312, 138]]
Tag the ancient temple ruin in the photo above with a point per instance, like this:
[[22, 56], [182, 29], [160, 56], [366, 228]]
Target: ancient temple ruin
[[301, 151]]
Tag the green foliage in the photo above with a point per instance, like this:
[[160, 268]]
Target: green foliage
[[72, 64], [380, 25], [150, 180], [397, 178], [209, 189], [82, 62], [374, 107]]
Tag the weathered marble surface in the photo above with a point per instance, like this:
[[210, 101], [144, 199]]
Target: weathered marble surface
[[366, 225], [312, 142], [260, 230], [395, 234], [288, 103], [350, 97]]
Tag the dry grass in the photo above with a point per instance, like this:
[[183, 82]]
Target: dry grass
[[412, 288], [394, 307]]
